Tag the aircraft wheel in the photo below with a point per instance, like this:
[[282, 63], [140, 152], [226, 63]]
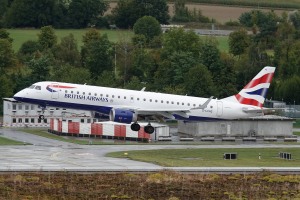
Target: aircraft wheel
[[149, 129], [135, 127]]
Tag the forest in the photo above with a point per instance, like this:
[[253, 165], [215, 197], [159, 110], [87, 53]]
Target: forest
[[177, 61]]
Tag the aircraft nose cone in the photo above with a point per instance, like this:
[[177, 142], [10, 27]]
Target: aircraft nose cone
[[18, 96]]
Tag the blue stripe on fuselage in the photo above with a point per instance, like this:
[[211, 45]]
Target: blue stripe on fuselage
[[101, 109]]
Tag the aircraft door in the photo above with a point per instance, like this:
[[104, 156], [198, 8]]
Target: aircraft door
[[55, 91], [219, 108]]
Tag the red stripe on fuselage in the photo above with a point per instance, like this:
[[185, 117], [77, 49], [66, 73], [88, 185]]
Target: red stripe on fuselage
[[267, 78], [247, 101]]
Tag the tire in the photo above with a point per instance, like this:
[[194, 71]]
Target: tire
[[149, 129], [135, 127]]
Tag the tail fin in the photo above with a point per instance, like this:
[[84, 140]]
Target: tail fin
[[254, 93]]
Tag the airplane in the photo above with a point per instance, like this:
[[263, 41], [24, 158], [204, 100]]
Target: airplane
[[127, 106]]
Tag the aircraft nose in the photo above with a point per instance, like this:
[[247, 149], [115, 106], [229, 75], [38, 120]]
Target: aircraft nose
[[19, 95]]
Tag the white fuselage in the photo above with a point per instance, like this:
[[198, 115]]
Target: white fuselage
[[103, 99]]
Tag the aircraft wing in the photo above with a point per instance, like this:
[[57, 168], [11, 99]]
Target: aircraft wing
[[168, 113]]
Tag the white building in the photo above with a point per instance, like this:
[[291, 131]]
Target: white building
[[23, 114]]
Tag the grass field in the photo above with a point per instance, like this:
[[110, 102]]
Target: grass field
[[214, 157], [5, 141], [297, 123], [75, 140], [22, 35]]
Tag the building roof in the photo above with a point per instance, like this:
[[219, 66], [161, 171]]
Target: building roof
[[10, 99]]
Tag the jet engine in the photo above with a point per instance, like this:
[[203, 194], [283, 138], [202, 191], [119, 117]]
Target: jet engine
[[122, 116]]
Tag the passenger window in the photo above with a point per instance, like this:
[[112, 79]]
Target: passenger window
[[113, 96], [32, 86], [95, 94], [107, 95], [194, 105], [101, 95], [183, 104], [119, 97], [83, 93], [162, 101], [155, 101], [188, 104], [172, 102], [138, 99], [89, 93], [66, 91], [167, 102], [124, 97], [177, 103], [77, 92], [150, 100], [38, 87], [144, 99], [71, 92]]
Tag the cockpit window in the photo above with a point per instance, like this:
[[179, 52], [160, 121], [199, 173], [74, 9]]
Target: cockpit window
[[38, 87], [32, 86]]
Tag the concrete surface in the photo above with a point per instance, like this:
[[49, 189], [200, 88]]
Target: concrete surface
[[51, 155]]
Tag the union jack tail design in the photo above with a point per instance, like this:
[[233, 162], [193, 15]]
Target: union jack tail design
[[254, 93]]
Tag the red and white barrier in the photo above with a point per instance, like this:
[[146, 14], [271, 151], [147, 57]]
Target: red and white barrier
[[106, 129]]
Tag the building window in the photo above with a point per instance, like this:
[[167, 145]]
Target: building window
[[8, 106], [14, 107], [82, 120], [20, 120], [45, 120], [32, 107], [26, 120], [14, 120], [26, 107], [20, 107], [88, 120], [32, 120], [57, 108]]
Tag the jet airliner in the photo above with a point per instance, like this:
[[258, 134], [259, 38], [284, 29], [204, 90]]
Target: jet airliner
[[127, 106]]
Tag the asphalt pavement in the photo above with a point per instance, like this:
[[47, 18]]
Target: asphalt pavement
[[51, 155]]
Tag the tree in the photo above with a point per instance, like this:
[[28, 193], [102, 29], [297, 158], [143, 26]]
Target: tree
[[289, 90], [198, 82], [5, 35], [127, 12], [67, 51], [210, 56], [178, 39], [47, 37], [238, 42], [40, 69], [97, 54], [32, 13], [147, 26], [7, 56], [84, 13], [78, 75], [295, 19], [6, 89], [28, 49]]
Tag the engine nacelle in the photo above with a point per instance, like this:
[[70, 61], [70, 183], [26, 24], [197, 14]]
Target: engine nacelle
[[122, 116]]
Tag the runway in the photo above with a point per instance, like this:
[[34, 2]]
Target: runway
[[52, 155]]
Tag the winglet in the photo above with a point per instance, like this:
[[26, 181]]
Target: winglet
[[203, 106]]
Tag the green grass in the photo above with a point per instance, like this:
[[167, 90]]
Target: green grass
[[214, 157], [5, 141], [71, 139], [297, 123], [22, 35]]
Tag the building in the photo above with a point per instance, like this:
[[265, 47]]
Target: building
[[19, 114], [256, 127]]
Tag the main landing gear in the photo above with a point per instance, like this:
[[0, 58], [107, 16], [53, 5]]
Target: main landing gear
[[148, 128]]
